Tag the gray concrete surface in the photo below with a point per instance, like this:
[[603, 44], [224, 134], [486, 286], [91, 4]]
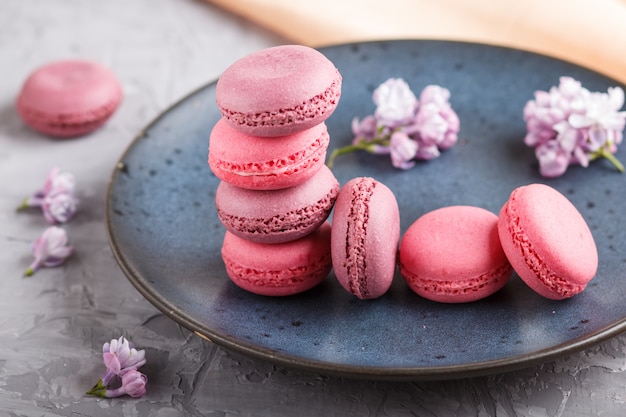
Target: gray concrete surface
[[53, 325]]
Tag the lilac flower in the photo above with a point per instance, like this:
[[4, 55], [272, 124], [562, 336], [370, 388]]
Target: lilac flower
[[118, 356], [50, 249], [403, 127], [56, 198], [553, 159], [403, 150], [571, 125], [59, 207], [367, 131], [125, 354], [122, 361], [395, 103], [438, 124], [133, 384]]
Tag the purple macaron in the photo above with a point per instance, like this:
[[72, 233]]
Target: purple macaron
[[279, 91], [277, 216], [364, 238]]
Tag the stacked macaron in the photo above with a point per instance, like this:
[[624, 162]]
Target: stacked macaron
[[268, 150]]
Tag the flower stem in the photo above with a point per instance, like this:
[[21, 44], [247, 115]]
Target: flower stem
[[608, 155], [342, 151], [362, 145]]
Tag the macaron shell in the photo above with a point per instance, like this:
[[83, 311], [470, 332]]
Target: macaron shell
[[547, 241], [279, 90], [258, 163], [365, 235], [69, 98], [278, 269], [453, 255], [280, 215]]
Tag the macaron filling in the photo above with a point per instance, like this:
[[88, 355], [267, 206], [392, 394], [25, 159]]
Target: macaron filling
[[284, 223], [262, 280], [532, 259], [311, 109], [294, 163], [425, 286], [358, 217], [86, 121]]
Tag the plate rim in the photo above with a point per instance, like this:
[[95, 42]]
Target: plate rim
[[465, 370]]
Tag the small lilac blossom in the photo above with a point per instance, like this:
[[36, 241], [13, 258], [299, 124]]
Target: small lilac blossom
[[436, 119], [404, 127], [395, 102], [59, 207], [366, 131], [50, 249], [602, 118], [119, 355], [403, 150], [133, 383], [553, 160], [56, 198], [122, 361], [56, 182], [571, 125], [427, 152]]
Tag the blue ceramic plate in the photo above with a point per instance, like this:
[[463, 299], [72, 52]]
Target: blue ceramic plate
[[166, 236]]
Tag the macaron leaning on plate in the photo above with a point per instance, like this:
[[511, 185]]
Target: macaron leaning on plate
[[278, 91], [365, 235], [69, 98], [547, 241], [280, 215], [453, 255]]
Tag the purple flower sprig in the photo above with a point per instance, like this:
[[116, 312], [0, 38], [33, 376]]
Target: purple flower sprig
[[570, 125], [50, 249], [403, 127], [56, 198], [122, 361]]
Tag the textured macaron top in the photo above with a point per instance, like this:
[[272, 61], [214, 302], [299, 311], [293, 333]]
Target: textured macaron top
[[365, 235], [550, 237], [279, 90], [454, 244], [66, 93], [278, 215]]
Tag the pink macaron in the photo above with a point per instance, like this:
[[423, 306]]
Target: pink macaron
[[278, 91], [280, 215], [364, 239], [453, 255], [259, 163], [69, 98], [547, 241], [278, 269]]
